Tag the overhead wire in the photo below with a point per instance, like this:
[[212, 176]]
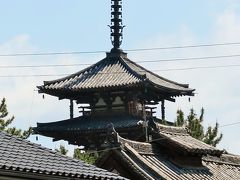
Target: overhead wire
[[199, 67], [162, 138], [42, 65], [126, 50], [156, 70], [32, 75], [51, 53], [191, 58], [153, 140], [230, 124], [142, 61], [186, 46]]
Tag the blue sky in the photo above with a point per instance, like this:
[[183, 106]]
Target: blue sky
[[59, 25]]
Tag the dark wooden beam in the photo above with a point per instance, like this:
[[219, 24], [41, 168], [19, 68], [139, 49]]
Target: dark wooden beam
[[170, 99], [71, 109], [163, 110]]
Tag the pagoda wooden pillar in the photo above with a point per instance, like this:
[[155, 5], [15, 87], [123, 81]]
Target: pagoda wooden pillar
[[71, 109], [163, 109]]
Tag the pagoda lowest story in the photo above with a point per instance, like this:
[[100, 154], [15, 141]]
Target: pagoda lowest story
[[118, 92]]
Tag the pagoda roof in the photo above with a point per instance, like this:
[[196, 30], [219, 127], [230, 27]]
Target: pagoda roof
[[89, 123], [114, 71], [82, 126]]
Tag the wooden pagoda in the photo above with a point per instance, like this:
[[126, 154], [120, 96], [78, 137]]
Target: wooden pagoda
[[118, 92]]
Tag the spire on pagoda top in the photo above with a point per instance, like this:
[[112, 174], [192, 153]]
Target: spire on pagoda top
[[116, 23]]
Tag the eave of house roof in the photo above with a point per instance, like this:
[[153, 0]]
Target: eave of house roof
[[181, 139]]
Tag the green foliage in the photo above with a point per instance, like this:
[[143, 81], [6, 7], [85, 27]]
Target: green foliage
[[194, 124], [196, 129], [211, 135], [164, 122], [3, 114], [89, 158], [5, 122], [180, 118], [62, 150]]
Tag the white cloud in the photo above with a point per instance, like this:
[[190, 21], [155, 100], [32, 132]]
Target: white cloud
[[227, 27]]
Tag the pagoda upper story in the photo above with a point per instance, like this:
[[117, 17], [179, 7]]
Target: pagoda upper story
[[114, 91], [113, 81]]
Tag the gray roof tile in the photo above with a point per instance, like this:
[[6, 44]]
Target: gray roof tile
[[82, 126], [84, 123], [21, 155], [158, 165], [182, 139], [115, 71]]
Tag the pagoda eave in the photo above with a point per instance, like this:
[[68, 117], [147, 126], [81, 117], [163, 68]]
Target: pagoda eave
[[162, 92], [84, 129]]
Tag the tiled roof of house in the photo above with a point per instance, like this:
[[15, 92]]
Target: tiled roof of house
[[21, 156], [147, 160], [114, 72], [180, 138]]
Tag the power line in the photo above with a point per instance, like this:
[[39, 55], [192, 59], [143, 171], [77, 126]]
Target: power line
[[231, 124], [146, 61], [192, 58], [157, 70], [187, 46], [42, 65], [199, 67], [116, 148], [153, 140], [126, 50], [32, 75], [51, 53]]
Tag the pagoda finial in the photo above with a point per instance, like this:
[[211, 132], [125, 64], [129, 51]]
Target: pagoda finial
[[116, 23]]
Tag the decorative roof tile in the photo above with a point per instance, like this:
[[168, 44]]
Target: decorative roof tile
[[21, 155]]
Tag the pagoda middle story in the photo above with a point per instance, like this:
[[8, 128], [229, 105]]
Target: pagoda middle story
[[112, 92]]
